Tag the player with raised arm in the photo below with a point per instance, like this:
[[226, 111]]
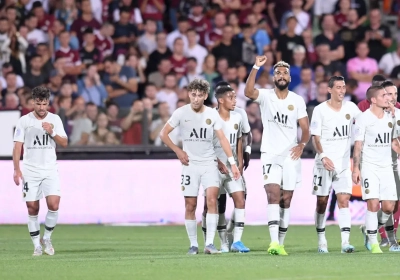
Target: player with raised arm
[[39, 132], [331, 126], [375, 137], [232, 128], [281, 113], [226, 232], [198, 124]]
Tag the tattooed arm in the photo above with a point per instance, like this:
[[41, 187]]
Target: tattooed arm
[[356, 161]]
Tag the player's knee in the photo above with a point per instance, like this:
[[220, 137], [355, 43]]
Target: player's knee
[[343, 204], [388, 208], [33, 209], [273, 193], [212, 204], [53, 206], [240, 203], [190, 207], [205, 207], [222, 204]]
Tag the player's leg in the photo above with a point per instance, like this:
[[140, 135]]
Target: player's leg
[[221, 227], [190, 182], [32, 193], [236, 189], [203, 219], [343, 187], [272, 176], [210, 181], [396, 217]]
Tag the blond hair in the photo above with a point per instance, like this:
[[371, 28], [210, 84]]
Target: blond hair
[[282, 64]]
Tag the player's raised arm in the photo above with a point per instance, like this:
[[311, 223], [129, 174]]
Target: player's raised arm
[[249, 90]]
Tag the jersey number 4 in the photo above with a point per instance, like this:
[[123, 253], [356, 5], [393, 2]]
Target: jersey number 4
[[186, 179], [25, 188]]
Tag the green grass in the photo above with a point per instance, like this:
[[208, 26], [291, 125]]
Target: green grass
[[100, 252]]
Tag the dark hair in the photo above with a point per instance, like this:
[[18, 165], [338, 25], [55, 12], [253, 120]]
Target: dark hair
[[387, 83], [333, 79], [111, 103], [372, 92], [199, 85], [41, 93], [234, 81], [62, 98], [377, 80], [183, 19], [109, 59], [291, 18], [192, 58], [353, 83], [221, 84], [222, 91]]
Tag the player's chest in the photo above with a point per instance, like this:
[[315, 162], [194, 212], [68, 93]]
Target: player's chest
[[197, 127], [337, 124], [380, 131], [282, 111]]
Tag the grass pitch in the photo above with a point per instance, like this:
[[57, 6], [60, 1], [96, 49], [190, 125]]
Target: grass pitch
[[102, 252]]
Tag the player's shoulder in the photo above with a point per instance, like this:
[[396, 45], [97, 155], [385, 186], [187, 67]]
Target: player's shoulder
[[184, 109], [295, 97], [26, 118], [321, 106], [239, 110], [236, 116], [350, 105], [52, 116], [266, 91], [210, 111]]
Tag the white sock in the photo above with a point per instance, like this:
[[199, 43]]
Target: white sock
[[389, 228], [239, 224], [222, 229], [50, 223], [204, 227], [231, 223], [283, 223], [273, 222], [320, 227], [34, 230], [382, 218], [191, 229], [211, 222], [344, 220], [371, 224]]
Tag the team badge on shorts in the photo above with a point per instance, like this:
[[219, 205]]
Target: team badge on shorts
[[398, 122], [208, 121], [390, 124], [290, 107], [367, 191], [315, 188], [24, 194], [265, 177], [236, 126], [183, 188], [347, 116]]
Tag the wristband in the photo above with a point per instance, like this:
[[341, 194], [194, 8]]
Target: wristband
[[256, 67], [248, 150], [53, 134], [321, 156], [231, 160]]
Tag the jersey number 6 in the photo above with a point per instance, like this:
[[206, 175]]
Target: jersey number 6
[[366, 184], [186, 179]]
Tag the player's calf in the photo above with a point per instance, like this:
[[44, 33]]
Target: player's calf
[[319, 218], [221, 227], [212, 214]]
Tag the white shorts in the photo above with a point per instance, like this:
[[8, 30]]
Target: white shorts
[[36, 185], [282, 171], [230, 185], [378, 183], [195, 175], [397, 180], [324, 181]]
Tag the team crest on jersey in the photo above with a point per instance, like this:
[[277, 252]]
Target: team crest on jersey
[[367, 191], [290, 107], [208, 121], [347, 116], [390, 124], [236, 126], [183, 188]]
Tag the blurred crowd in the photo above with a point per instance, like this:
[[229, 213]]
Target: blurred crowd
[[118, 69]]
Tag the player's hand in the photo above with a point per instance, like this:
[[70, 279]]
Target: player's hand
[[17, 176], [48, 127], [260, 60], [235, 171], [246, 159], [183, 157], [222, 168], [391, 109], [328, 164], [356, 176], [297, 151]]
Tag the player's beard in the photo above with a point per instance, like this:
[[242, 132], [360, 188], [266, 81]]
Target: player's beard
[[281, 86]]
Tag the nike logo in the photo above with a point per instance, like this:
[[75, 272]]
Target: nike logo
[[187, 120]]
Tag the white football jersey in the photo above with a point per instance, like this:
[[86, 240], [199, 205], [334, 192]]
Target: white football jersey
[[245, 120], [279, 118], [334, 129], [197, 132], [233, 131], [39, 147], [377, 135], [397, 127]]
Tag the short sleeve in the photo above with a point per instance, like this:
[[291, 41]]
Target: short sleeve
[[218, 124], [359, 129], [262, 94], [240, 129], [19, 134], [175, 119], [59, 128], [301, 108], [245, 121], [356, 111], [316, 122]]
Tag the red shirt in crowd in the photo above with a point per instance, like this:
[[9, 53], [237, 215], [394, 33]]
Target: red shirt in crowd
[[151, 11], [364, 105], [202, 25], [133, 136], [178, 66]]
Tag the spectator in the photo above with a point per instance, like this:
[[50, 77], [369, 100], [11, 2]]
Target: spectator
[[131, 124], [35, 76], [7, 68], [309, 44], [54, 33], [248, 46], [169, 92], [307, 88], [89, 54], [99, 135], [11, 102], [147, 42], [67, 13], [288, 40], [377, 35], [157, 125], [178, 59], [330, 37], [183, 26], [158, 77], [125, 33], [91, 88], [104, 42], [358, 5], [351, 87], [120, 83], [114, 122], [35, 36], [199, 22], [152, 9], [322, 95], [299, 61], [45, 21], [195, 50], [303, 18], [92, 112], [81, 125], [350, 33], [260, 35], [85, 20], [161, 52], [191, 74], [390, 60], [324, 58], [11, 80], [214, 36], [362, 68], [135, 16]]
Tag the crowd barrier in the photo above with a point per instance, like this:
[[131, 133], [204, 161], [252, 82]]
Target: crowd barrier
[[145, 191]]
